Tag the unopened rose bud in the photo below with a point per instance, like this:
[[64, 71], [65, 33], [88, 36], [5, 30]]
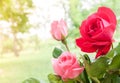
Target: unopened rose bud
[[59, 30]]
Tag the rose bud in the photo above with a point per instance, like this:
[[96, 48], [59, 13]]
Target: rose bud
[[59, 30]]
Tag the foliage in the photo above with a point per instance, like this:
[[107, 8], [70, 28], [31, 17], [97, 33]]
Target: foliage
[[14, 12], [103, 70], [74, 12], [56, 52], [31, 80]]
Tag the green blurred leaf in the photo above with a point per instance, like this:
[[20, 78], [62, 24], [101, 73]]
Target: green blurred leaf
[[111, 78], [56, 52], [98, 68], [70, 81], [115, 64], [110, 54], [17, 16], [87, 58], [31, 80], [54, 78], [84, 77], [117, 49], [114, 52]]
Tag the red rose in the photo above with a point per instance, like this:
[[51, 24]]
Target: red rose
[[97, 32]]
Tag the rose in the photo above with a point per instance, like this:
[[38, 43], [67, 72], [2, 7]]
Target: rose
[[67, 66], [59, 29], [97, 32]]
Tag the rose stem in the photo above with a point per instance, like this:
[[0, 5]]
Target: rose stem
[[112, 46], [65, 43]]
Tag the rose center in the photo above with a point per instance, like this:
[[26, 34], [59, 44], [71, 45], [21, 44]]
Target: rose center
[[95, 28]]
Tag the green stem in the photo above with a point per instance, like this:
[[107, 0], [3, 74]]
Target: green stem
[[95, 79], [79, 80], [112, 46], [65, 43], [114, 71]]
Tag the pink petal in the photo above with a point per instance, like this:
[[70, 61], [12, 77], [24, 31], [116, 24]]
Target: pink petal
[[56, 67], [63, 29]]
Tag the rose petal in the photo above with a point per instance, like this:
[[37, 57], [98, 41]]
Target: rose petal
[[55, 31], [106, 34], [63, 29], [56, 67], [107, 14], [103, 50], [85, 45]]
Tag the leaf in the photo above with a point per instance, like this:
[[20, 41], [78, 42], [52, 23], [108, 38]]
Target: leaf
[[70, 81], [111, 78], [98, 68], [115, 64], [31, 80], [113, 52], [84, 77], [54, 78], [56, 52], [117, 49], [87, 58]]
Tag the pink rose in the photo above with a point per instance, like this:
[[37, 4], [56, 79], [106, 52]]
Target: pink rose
[[67, 66], [59, 29], [97, 32]]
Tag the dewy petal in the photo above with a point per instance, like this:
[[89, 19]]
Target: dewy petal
[[57, 35], [59, 29], [53, 27], [85, 45], [55, 31], [101, 43], [107, 14], [77, 71], [106, 34], [56, 67], [63, 29], [103, 50], [73, 72], [82, 29]]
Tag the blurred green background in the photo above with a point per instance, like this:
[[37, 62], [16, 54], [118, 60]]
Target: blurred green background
[[25, 41]]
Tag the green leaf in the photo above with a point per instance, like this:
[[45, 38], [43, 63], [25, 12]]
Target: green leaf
[[84, 77], [115, 64], [117, 49], [98, 68], [54, 78], [56, 52], [87, 58], [31, 80], [110, 54], [70, 81], [111, 78], [114, 52]]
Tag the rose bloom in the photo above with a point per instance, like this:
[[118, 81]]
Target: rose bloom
[[59, 29], [97, 32], [67, 66]]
